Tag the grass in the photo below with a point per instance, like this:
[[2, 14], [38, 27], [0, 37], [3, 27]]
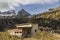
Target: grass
[[41, 35], [5, 36]]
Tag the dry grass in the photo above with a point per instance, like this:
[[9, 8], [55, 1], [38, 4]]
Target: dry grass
[[44, 36], [39, 36], [5, 36]]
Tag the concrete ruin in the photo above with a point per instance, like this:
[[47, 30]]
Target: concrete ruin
[[24, 30]]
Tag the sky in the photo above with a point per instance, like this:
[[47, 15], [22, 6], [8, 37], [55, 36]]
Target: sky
[[31, 6]]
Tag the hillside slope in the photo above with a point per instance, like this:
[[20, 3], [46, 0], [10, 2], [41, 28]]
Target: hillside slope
[[51, 18], [51, 14]]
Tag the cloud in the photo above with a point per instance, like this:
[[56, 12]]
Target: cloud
[[9, 4], [33, 1]]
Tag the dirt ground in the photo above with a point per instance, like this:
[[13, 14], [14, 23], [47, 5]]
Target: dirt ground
[[56, 36]]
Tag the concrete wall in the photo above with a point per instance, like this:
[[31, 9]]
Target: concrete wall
[[15, 32], [34, 28]]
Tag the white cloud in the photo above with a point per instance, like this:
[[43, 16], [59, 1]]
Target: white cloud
[[8, 4], [33, 1]]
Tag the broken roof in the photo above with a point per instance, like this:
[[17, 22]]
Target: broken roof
[[24, 25]]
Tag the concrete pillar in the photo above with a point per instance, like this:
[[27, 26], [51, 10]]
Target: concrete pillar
[[34, 28]]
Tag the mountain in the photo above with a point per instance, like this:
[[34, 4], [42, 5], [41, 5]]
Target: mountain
[[51, 14], [22, 16], [23, 13], [50, 19], [8, 14]]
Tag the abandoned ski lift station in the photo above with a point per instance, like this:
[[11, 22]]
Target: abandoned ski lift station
[[25, 30]]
